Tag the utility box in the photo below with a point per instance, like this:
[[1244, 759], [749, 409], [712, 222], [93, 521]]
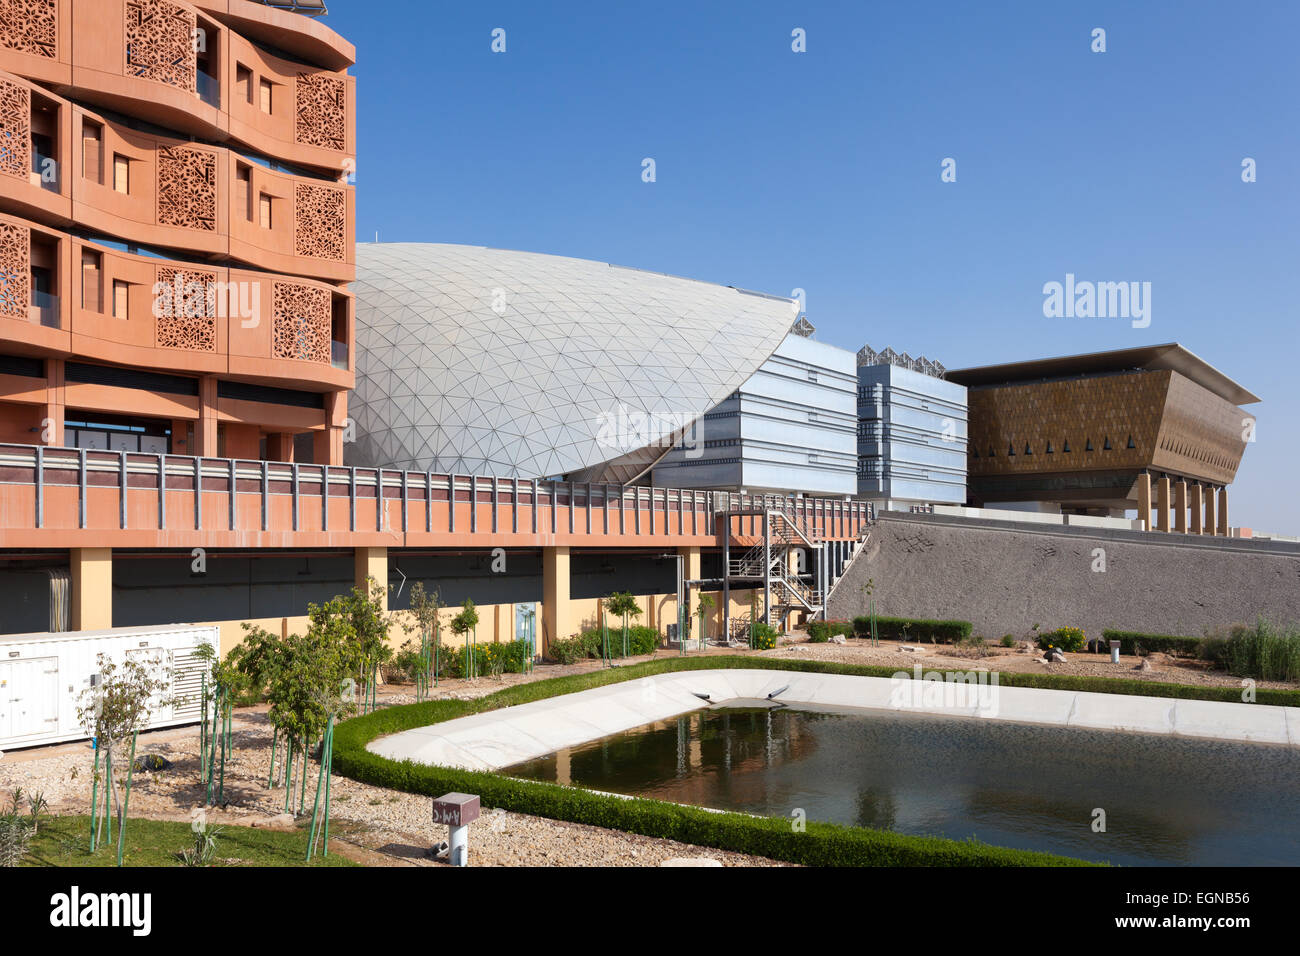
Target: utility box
[[42, 677]]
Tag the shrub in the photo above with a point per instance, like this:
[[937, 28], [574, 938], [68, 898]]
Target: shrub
[[1063, 639], [819, 632], [567, 650], [1008, 640], [1135, 642], [1266, 651], [765, 636], [641, 640], [15, 838], [489, 658], [914, 629]]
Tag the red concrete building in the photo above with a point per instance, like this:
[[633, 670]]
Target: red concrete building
[[178, 341], [176, 228]]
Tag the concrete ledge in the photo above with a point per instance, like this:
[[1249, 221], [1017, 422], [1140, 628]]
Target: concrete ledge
[[500, 738]]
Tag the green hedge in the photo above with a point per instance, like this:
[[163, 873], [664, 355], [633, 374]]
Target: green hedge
[[1130, 641], [641, 640], [819, 632], [913, 629], [820, 844]]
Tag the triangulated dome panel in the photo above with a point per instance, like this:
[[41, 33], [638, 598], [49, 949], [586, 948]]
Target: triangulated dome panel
[[487, 361]]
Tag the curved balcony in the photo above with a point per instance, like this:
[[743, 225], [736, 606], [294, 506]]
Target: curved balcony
[[179, 66], [61, 163], [65, 296]]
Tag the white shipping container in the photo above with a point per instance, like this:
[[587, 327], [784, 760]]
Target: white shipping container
[[43, 676]]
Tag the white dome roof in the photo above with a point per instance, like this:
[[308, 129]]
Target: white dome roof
[[487, 361]]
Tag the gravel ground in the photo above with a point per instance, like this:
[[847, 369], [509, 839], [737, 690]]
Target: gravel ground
[[374, 825], [1022, 659]]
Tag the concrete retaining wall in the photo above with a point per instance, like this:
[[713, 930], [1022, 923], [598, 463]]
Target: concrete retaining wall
[[501, 738], [1007, 577]]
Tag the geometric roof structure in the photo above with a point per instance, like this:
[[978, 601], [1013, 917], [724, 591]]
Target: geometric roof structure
[[517, 364], [1148, 358]]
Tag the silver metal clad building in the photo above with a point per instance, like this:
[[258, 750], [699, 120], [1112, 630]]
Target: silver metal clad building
[[912, 432], [488, 361], [790, 427]]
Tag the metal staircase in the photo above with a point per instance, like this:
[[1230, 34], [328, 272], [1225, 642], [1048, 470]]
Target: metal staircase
[[779, 560]]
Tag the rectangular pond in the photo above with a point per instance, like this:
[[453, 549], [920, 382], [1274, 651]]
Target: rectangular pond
[[1166, 799]]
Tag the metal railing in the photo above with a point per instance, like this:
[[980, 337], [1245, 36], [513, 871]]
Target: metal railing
[[378, 500]]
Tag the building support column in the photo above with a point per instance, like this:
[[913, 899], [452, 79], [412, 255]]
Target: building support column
[[555, 596], [1210, 527], [1162, 504], [1223, 512], [92, 588], [690, 572], [1180, 507], [51, 431], [205, 429], [279, 446], [327, 445], [1194, 507], [1144, 500], [372, 563]]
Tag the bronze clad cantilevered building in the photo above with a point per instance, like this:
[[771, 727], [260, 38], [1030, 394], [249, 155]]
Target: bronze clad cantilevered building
[[1108, 432]]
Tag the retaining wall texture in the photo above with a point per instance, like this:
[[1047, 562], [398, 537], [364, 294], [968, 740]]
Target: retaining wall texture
[[1007, 577]]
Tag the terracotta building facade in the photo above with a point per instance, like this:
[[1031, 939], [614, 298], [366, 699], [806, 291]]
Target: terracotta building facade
[[176, 228]]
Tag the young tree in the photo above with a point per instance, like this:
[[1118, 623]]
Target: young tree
[[356, 622], [705, 605], [462, 625], [423, 620], [122, 701], [259, 658], [314, 683], [623, 604]]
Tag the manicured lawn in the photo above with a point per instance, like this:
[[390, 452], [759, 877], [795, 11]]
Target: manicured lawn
[[65, 841]]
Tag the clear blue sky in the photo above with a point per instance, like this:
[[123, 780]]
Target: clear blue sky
[[821, 170]]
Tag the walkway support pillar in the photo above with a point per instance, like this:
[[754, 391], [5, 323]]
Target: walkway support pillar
[[690, 572], [1223, 512], [1194, 507], [555, 596], [1162, 504], [1210, 527], [1144, 501], [92, 588], [1180, 507], [372, 563]]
